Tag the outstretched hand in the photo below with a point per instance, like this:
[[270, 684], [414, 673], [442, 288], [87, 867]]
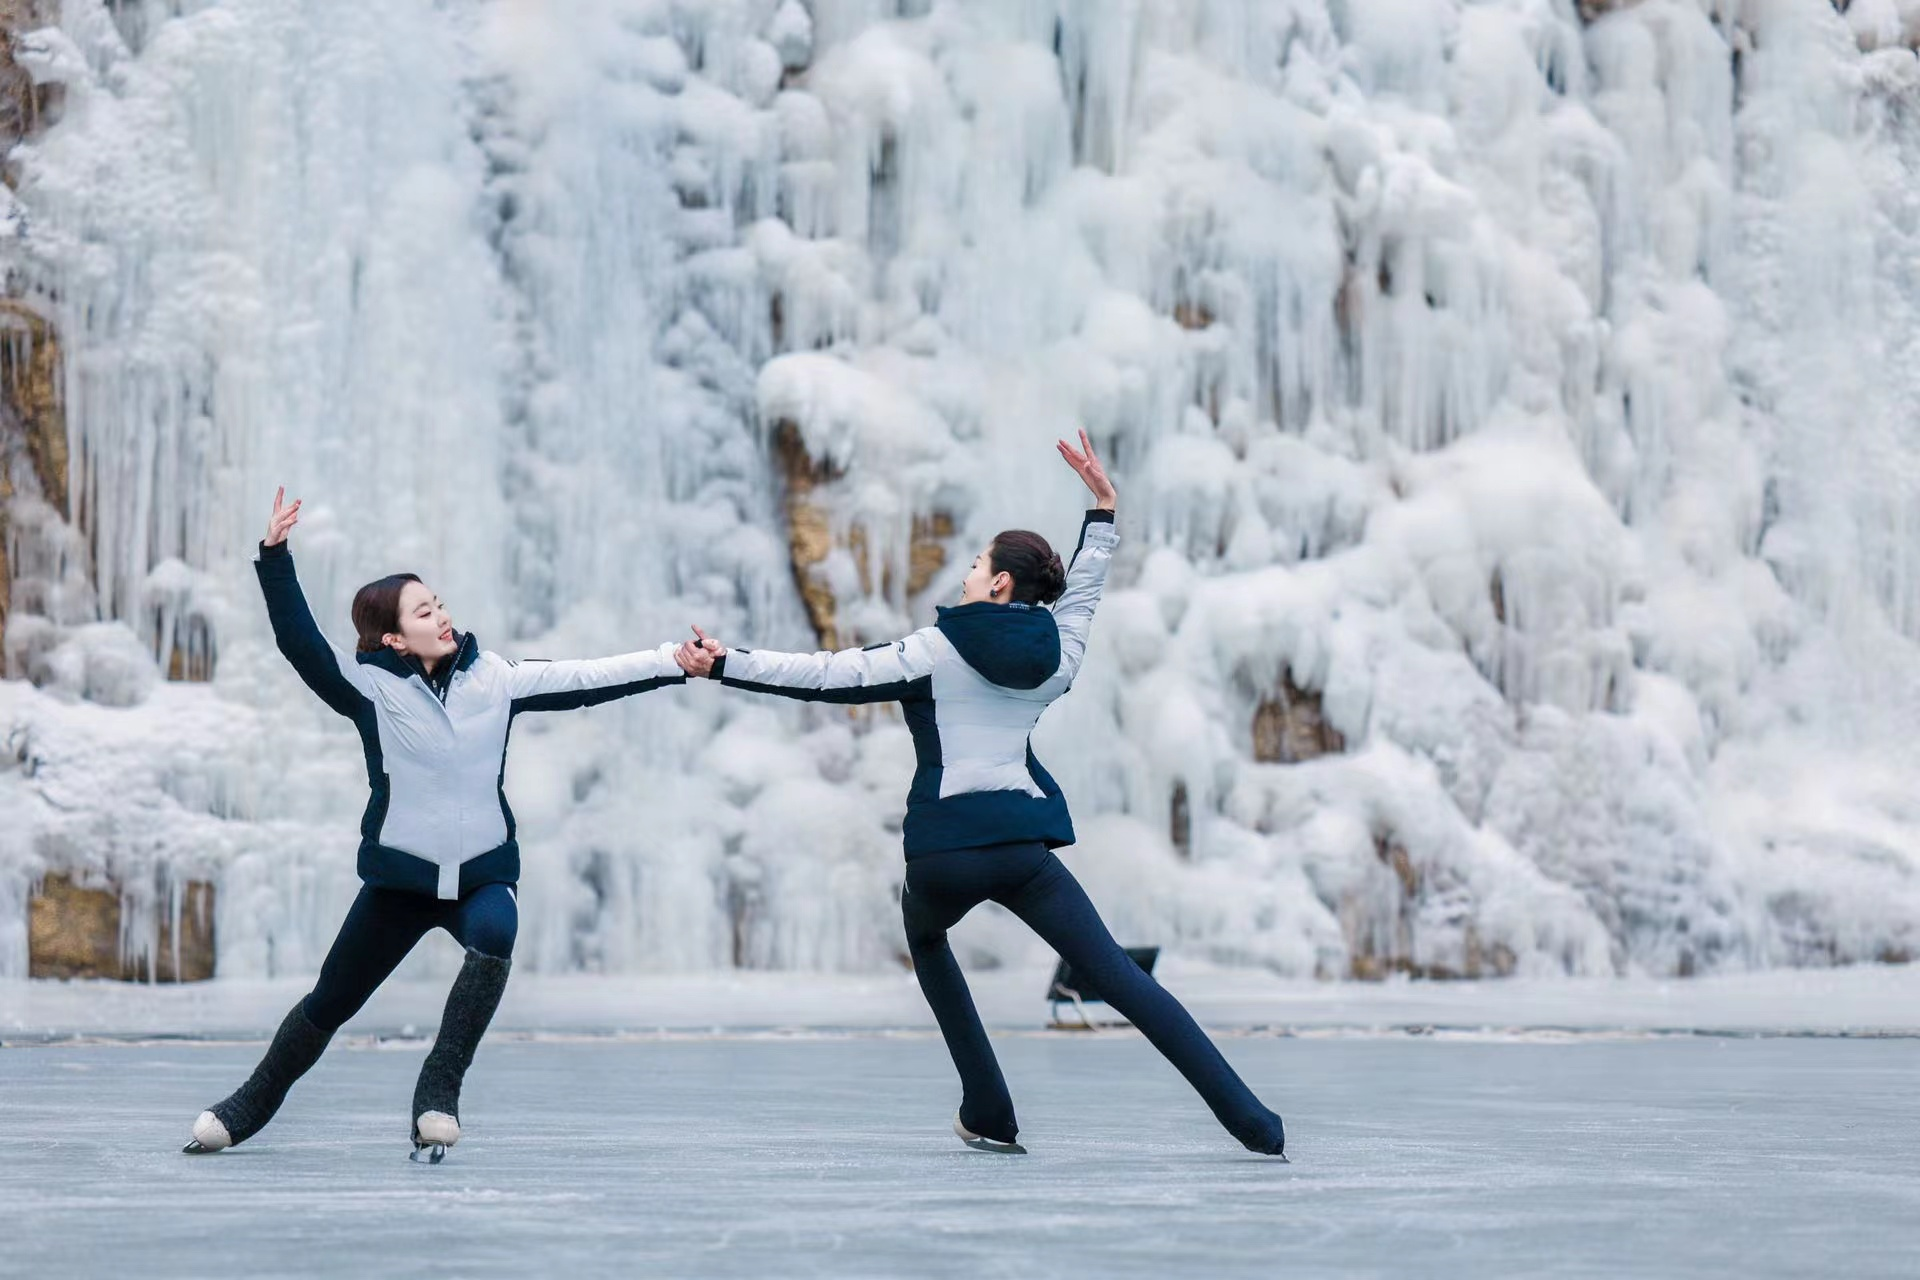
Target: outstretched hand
[[696, 657], [285, 516], [1084, 461]]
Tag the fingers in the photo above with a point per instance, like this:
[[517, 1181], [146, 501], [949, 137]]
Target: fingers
[[694, 662], [284, 517], [698, 655], [1086, 463]]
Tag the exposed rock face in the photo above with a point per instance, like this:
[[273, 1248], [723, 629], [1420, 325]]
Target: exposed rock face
[[6, 572], [1289, 726], [1379, 922], [80, 929], [30, 389], [1593, 10], [24, 105], [811, 540], [31, 420], [809, 530], [928, 555]]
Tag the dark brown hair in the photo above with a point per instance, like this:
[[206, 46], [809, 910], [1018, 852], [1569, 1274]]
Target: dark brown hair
[[376, 609], [1038, 577]]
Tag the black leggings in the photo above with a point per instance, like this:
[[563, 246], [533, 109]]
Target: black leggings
[[1036, 886], [383, 925]]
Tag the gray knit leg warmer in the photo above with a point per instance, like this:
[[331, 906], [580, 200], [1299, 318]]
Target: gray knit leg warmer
[[476, 994]]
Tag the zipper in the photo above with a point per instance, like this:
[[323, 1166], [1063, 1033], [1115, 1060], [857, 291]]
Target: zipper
[[440, 691], [453, 658]]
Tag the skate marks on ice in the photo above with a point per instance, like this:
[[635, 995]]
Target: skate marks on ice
[[787, 1155]]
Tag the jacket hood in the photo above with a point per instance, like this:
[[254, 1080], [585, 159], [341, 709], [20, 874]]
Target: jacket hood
[[1016, 646]]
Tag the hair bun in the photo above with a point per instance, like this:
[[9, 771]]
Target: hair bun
[[1033, 565], [1053, 579]]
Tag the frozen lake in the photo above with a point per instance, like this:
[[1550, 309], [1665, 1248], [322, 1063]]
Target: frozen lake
[[828, 1154]]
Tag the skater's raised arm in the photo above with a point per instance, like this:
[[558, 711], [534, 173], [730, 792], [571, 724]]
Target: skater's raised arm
[[1087, 575], [335, 676], [565, 684], [878, 673]]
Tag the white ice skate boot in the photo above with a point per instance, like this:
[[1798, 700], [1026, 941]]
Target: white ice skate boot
[[209, 1135], [433, 1133]]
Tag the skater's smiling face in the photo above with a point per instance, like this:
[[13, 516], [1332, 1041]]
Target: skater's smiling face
[[401, 613], [423, 630]]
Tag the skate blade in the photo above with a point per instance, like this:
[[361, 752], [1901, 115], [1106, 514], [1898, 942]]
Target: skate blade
[[195, 1148], [428, 1153], [979, 1143]]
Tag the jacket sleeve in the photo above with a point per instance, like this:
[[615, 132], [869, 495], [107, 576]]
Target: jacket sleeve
[[340, 681], [900, 671], [1086, 578], [537, 684]]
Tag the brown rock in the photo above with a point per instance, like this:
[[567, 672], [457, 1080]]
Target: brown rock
[[6, 572], [1192, 315], [74, 931], [810, 538], [31, 417], [809, 531], [30, 392], [192, 655], [25, 107], [29, 356], [1378, 918], [1591, 10], [927, 556], [194, 943], [1289, 726], [1497, 961]]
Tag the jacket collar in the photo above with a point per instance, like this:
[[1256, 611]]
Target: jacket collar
[[463, 657]]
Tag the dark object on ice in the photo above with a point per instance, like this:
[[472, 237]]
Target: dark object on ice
[[1067, 987]]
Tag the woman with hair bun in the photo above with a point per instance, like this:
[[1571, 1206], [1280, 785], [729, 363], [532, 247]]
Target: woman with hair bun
[[983, 818]]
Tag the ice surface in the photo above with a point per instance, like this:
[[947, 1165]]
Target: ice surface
[[1859, 1001], [831, 1156]]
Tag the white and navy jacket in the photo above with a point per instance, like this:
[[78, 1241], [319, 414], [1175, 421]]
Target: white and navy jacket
[[437, 821], [971, 687]]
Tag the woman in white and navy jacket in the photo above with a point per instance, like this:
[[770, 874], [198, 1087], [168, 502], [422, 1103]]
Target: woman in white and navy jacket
[[437, 847], [983, 817]]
